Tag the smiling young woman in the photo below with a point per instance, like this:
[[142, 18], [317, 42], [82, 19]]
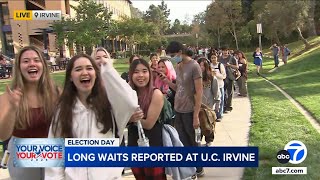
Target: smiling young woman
[[27, 105]]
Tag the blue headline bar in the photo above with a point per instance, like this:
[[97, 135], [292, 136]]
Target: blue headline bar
[[161, 157]]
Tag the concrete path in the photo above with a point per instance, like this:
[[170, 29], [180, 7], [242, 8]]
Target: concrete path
[[233, 130]]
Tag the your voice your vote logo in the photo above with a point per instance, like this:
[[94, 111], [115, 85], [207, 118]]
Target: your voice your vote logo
[[295, 152]]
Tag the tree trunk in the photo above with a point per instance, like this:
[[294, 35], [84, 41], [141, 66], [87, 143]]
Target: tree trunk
[[277, 37], [305, 42], [311, 23], [235, 38], [234, 34], [88, 50]]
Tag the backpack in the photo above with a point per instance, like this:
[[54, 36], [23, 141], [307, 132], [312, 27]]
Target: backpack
[[166, 113], [232, 74], [207, 118]]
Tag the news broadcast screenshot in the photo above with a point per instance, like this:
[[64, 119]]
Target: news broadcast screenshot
[[159, 90]]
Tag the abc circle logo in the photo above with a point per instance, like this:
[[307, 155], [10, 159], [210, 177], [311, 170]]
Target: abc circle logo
[[295, 152]]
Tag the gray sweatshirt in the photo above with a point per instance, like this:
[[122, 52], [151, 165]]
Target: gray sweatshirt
[[211, 93]]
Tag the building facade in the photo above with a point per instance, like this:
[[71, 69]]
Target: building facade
[[16, 34]]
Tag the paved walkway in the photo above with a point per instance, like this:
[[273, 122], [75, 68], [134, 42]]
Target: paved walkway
[[233, 130]]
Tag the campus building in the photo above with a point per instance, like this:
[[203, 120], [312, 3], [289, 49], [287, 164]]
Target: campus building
[[15, 34]]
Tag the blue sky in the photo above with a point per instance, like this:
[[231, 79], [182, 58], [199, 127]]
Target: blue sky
[[181, 10]]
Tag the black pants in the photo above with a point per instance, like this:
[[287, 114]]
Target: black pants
[[184, 125], [229, 90]]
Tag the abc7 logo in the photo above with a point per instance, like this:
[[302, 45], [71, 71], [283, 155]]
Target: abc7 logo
[[294, 152]]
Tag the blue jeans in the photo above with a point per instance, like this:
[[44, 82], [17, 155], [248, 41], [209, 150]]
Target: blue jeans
[[220, 112], [276, 60]]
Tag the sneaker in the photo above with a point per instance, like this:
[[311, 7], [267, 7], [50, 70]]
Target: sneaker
[[209, 144], [218, 120], [194, 177], [201, 173]]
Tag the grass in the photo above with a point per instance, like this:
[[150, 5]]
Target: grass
[[300, 79], [297, 47], [275, 122]]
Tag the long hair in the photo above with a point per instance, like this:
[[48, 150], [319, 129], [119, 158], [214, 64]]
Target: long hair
[[243, 56], [206, 75], [94, 53], [144, 98], [133, 56], [97, 100], [171, 75], [46, 91]]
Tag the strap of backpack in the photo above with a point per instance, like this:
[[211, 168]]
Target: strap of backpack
[[219, 66]]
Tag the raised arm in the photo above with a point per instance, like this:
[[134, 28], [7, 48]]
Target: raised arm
[[9, 101]]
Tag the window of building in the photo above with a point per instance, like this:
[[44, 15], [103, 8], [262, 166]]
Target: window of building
[[5, 16], [35, 4]]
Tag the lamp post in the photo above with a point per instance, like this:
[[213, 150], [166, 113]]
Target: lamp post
[[259, 31], [197, 39]]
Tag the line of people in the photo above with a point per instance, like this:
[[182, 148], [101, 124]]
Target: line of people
[[35, 107]]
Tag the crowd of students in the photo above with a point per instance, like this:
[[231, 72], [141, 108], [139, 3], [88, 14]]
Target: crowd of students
[[35, 107]]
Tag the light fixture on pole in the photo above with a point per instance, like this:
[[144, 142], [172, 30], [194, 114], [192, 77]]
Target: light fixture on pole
[[259, 31], [197, 40]]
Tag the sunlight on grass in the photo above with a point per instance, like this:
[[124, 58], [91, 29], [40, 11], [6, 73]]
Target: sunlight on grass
[[275, 122], [300, 79]]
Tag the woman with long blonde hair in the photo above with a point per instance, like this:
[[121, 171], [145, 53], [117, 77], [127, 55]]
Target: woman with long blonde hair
[[27, 105]]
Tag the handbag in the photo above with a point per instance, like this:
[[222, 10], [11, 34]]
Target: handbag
[[207, 118], [232, 74], [143, 141]]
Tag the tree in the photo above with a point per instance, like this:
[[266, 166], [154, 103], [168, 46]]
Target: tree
[[136, 30], [158, 15], [135, 12], [59, 27], [176, 28], [214, 19], [311, 19], [282, 18], [227, 16], [87, 28]]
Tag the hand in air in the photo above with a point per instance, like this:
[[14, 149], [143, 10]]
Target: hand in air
[[14, 96]]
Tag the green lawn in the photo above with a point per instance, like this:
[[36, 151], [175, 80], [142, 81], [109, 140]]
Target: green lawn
[[300, 79], [296, 47], [275, 121]]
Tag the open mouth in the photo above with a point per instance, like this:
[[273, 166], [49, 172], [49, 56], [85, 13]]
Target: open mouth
[[140, 80], [33, 72], [85, 81]]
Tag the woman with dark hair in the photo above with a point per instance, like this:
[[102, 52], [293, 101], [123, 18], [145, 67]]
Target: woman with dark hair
[[125, 75], [83, 112], [211, 93], [243, 68], [27, 107], [151, 102]]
